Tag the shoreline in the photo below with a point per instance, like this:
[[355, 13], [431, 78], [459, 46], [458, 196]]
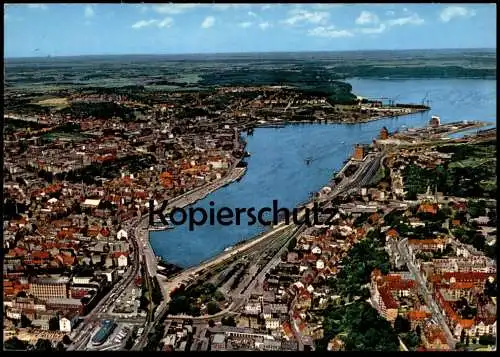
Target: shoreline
[[193, 272], [224, 184], [234, 174], [245, 244], [281, 124], [252, 239], [241, 174], [478, 125]]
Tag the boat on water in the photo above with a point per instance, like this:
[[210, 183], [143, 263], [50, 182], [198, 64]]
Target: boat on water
[[227, 249], [160, 228]]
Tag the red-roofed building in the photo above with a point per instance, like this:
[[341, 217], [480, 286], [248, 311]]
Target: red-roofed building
[[336, 344], [417, 318], [140, 194], [304, 299], [460, 206], [461, 285], [40, 254], [19, 252], [104, 232], [374, 218], [121, 259], [387, 305], [456, 222], [360, 232], [68, 260], [431, 208], [415, 245], [385, 289], [434, 339], [287, 329], [473, 277], [392, 234], [310, 258], [454, 291], [484, 326]]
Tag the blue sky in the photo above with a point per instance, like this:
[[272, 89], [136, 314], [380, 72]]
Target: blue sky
[[74, 29]]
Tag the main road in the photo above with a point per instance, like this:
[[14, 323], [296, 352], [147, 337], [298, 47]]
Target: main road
[[89, 320], [431, 303]]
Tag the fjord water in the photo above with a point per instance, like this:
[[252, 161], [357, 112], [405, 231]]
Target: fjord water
[[277, 169]]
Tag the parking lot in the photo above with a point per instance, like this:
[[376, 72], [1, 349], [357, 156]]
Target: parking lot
[[117, 339]]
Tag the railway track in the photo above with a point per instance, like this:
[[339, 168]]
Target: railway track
[[276, 239]]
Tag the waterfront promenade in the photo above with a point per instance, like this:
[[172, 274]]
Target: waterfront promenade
[[200, 193]]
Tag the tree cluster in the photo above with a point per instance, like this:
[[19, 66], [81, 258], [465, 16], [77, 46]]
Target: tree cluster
[[361, 328]]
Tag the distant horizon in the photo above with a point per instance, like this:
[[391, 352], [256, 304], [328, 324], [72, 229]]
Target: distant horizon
[[492, 49]]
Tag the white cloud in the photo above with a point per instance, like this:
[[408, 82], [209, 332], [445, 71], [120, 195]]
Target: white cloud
[[174, 9], [266, 7], [367, 18], [252, 14], [264, 25], [373, 30], [144, 23], [413, 19], [208, 22], [166, 22], [37, 6], [298, 16], [452, 12], [329, 32], [89, 11], [246, 24]]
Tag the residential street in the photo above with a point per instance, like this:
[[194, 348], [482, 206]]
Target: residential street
[[431, 303]]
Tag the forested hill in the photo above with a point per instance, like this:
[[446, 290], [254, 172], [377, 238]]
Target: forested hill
[[303, 70]]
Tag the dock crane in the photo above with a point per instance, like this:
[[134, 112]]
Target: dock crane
[[391, 100], [425, 99]]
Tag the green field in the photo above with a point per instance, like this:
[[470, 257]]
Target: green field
[[305, 69]]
